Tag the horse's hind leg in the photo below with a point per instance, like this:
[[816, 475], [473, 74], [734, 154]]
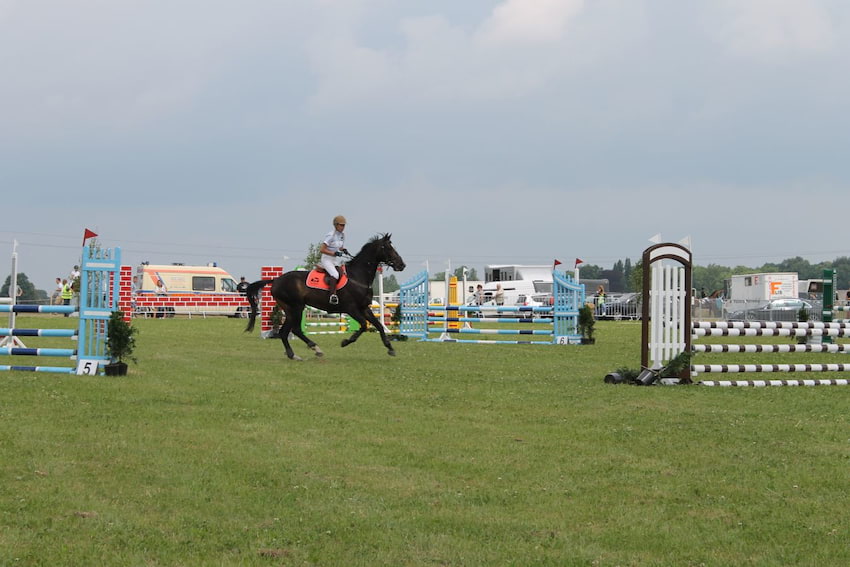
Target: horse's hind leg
[[296, 313], [283, 333]]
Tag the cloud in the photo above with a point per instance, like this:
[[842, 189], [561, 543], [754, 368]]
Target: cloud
[[119, 66], [761, 28], [512, 51], [524, 22]]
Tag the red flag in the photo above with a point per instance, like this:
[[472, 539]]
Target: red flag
[[557, 263], [579, 261], [88, 234]]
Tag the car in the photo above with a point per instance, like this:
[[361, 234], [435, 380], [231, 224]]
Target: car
[[619, 306], [776, 310], [524, 300]]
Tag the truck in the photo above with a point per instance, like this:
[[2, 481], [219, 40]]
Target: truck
[[178, 277], [753, 290], [168, 289], [516, 280]]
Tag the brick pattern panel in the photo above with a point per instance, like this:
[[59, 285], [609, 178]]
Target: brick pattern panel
[[190, 302], [125, 292], [266, 301]]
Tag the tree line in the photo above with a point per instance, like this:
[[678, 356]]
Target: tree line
[[627, 277], [624, 276]]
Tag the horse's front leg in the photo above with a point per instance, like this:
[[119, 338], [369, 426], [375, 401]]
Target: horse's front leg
[[313, 346], [367, 313], [357, 333]]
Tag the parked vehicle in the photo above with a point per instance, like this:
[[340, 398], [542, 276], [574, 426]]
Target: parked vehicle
[[776, 310], [166, 289], [524, 300], [619, 306]]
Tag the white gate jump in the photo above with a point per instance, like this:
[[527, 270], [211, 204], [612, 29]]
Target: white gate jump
[[667, 329]]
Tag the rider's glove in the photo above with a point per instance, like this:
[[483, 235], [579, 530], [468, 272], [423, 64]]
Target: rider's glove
[[337, 253]]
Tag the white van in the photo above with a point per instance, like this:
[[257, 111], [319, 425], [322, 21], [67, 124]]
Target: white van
[[178, 277], [205, 290]]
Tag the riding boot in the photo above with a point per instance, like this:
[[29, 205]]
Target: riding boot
[[332, 284]]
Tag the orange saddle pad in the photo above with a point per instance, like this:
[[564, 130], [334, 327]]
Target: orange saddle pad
[[317, 279]]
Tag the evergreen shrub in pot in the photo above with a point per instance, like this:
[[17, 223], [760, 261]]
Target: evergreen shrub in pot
[[120, 344]]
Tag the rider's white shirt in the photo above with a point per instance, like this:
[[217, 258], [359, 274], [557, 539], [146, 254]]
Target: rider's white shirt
[[335, 240]]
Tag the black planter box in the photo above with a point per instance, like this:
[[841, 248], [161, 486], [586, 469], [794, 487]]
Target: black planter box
[[115, 369]]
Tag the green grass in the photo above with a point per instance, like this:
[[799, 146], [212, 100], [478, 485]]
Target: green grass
[[216, 450]]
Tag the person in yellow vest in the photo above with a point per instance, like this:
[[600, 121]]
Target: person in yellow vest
[[67, 294], [600, 300]]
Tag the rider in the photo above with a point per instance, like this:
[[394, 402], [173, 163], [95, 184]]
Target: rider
[[333, 247]]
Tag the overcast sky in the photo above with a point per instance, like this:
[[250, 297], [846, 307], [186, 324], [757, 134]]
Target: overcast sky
[[476, 132]]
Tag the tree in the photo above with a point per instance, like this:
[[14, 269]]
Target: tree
[[710, 278], [590, 272], [29, 292], [615, 279], [842, 266], [470, 273], [314, 256], [390, 284], [636, 280]]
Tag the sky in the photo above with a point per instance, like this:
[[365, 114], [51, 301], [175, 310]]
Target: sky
[[475, 132]]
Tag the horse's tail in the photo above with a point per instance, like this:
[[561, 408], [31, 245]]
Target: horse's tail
[[253, 293]]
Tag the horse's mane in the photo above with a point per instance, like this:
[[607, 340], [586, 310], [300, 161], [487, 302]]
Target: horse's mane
[[368, 246]]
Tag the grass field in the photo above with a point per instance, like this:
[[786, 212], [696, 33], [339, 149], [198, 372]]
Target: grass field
[[216, 450]]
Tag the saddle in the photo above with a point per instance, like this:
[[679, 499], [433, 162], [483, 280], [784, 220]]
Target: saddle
[[317, 278]]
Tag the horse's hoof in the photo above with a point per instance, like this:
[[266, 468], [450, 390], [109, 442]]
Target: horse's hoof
[[295, 357], [319, 352], [391, 352], [345, 343]]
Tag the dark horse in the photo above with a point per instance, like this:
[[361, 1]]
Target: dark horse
[[291, 293]]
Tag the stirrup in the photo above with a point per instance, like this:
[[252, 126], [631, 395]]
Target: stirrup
[[334, 299]]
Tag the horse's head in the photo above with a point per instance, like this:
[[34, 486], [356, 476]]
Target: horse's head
[[388, 255]]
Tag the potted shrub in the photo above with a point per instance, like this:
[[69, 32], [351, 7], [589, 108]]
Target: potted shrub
[[803, 317], [120, 343], [276, 321], [678, 368], [586, 321]]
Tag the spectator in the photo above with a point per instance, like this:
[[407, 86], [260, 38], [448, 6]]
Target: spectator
[[56, 298], [67, 294], [134, 288], [242, 286], [160, 287], [479, 294], [499, 295], [600, 300]]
